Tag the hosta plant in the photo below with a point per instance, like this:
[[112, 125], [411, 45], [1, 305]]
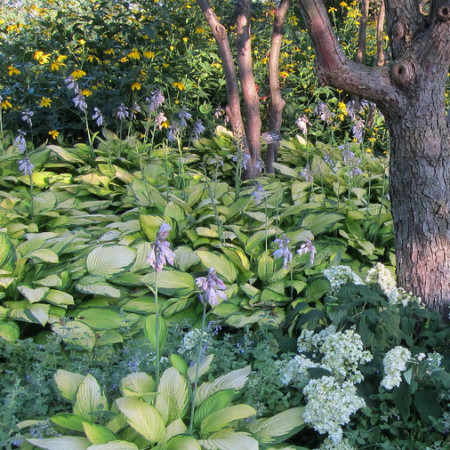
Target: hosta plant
[[161, 417]]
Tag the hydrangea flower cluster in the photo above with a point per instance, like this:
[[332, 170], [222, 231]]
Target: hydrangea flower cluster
[[332, 399], [191, 341], [394, 364], [340, 275], [328, 444]]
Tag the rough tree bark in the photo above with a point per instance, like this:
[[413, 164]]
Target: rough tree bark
[[410, 93], [276, 100]]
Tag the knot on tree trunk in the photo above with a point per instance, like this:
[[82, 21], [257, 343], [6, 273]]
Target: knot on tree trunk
[[402, 73], [444, 13]]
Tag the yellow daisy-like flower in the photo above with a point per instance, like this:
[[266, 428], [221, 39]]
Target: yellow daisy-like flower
[[77, 74], [45, 102], [342, 108], [12, 70], [124, 59], [109, 52], [4, 104], [136, 86], [200, 30], [185, 39], [53, 133], [92, 58], [82, 42], [165, 65], [86, 92], [171, 48], [54, 66], [41, 57], [134, 54], [149, 54], [284, 74], [61, 58], [179, 85]]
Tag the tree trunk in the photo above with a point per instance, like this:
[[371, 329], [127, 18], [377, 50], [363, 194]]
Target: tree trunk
[[410, 93], [276, 100]]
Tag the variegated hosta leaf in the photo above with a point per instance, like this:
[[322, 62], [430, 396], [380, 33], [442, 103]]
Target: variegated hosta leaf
[[235, 379], [279, 427], [61, 443], [223, 266], [76, 333], [68, 383], [220, 399], [114, 445], [138, 384], [90, 399], [229, 440], [173, 397], [109, 260], [202, 368], [182, 443], [222, 418], [175, 428], [145, 419], [98, 434]]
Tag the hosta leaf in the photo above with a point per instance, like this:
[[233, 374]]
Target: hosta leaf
[[59, 298], [114, 445], [202, 368], [9, 331], [151, 332], [68, 383], [101, 318], [173, 397], [182, 443], [138, 384], [279, 427], [150, 225], [8, 255], [44, 255], [229, 440], [222, 418], [61, 443], [265, 267], [96, 285], [90, 399], [319, 222], [70, 421], [65, 154], [175, 428], [36, 313], [76, 333], [178, 363], [142, 251], [186, 258], [219, 400], [98, 434], [145, 419], [171, 282], [109, 260], [252, 246], [285, 170], [223, 266], [235, 379]]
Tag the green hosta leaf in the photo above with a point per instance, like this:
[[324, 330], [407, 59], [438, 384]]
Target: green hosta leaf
[[235, 379], [279, 427], [150, 331], [108, 337], [96, 285], [182, 443], [8, 254], [173, 397], [70, 421], [222, 418], [175, 428], [61, 443], [44, 255], [68, 383], [114, 445], [9, 331], [98, 434], [265, 267], [150, 225], [65, 154], [285, 170], [202, 368], [226, 269], [36, 313], [229, 440], [219, 400], [109, 260], [139, 385], [252, 246], [90, 399], [178, 363], [44, 201], [145, 419], [142, 251], [101, 318], [59, 298], [76, 333], [320, 222], [171, 283], [186, 258]]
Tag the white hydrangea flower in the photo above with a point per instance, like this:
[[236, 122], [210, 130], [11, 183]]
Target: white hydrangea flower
[[328, 444], [330, 405], [191, 341], [295, 370], [394, 364], [383, 276], [340, 275]]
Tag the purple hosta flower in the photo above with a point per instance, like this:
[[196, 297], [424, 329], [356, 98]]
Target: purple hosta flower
[[327, 158], [155, 101], [184, 115], [211, 288], [71, 83], [159, 120], [259, 165], [302, 123], [308, 247], [245, 160], [20, 142], [351, 109], [98, 117], [25, 166], [283, 251], [80, 102], [122, 112], [351, 161], [134, 110], [258, 193], [198, 129], [174, 131], [26, 116], [323, 111], [220, 112], [160, 253], [358, 130], [307, 173]]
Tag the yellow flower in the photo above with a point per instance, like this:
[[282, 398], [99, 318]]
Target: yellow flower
[[134, 54], [81, 41], [332, 10], [165, 65], [284, 74], [12, 70], [200, 30], [179, 85], [136, 86], [343, 5], [342, 108], [149, 54], [41, 57], [54, 66], [124, 59], [61, 58], [53, 133], [185, 39], [109, 52], [78, 74], [86, 92], [45, 102], [171, 48], [5, 104], [92, 58]]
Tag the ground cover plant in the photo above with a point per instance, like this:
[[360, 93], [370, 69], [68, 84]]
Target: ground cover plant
[[152, 298]]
